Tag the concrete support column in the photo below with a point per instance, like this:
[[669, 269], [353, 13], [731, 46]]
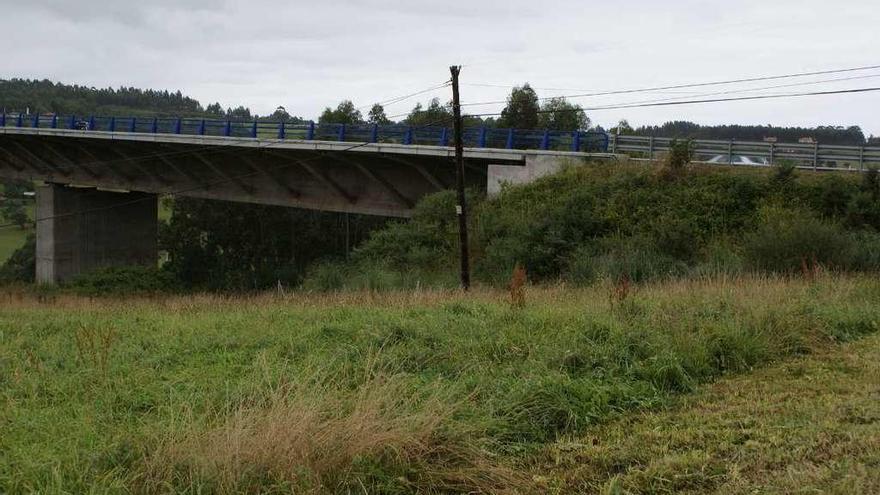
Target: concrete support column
[[84, 229]]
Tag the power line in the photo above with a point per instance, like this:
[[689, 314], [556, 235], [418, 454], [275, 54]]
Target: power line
[[750, 90], [399, 99], [693, 85], [692, 102]]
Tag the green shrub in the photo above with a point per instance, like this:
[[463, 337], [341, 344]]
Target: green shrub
[[636, 258], [21, 265], [123, 281], [787, 239]]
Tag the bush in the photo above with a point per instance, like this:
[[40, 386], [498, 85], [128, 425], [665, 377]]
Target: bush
[[635, 258], [786, 239], [22, 265], [123, 281]]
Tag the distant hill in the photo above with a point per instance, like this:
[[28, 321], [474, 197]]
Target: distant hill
[[18, 95]]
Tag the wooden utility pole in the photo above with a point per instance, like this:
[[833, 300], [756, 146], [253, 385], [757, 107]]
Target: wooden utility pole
[[461, 207]]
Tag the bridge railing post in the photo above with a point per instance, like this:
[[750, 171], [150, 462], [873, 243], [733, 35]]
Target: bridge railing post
[[374, 134], [132, 126], [19, 122], [91, 123], [154, 127], [112, 126], [576, 141], [545, 141], [408, 136], [202, 127], [341, 135], [509, 144], [482, 140], [444, 137], [254, 130], [281, 130], [227, 129], [310, 133], [178, 125], [72, 122], [3, 119], [54, 121], [36, 123]]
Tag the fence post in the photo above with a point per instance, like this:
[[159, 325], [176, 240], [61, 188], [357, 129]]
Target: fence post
[[730, 152], [227, 128], [861, 158], [482, 140], [651, 148], [281, 130], [112, 126], [310, 134], [254, 130], [408, 135], [72, 123], [815, 155], [54, 121], [178, 126], [772, 149], [444, 137], [614, 144], [202, 127], [3, 119], [510, 139], [545, 141], [19, 121], [133, 126], [374, 134], [341, 135], [154, 127], [576, 141], [92, 123], [36, 121]]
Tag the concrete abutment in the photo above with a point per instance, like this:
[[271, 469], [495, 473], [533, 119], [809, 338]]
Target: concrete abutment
[[82, 229]]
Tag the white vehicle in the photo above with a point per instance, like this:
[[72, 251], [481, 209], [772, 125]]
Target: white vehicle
[[740, 160]]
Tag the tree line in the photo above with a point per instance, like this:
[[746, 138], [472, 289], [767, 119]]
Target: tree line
[[524, 110]]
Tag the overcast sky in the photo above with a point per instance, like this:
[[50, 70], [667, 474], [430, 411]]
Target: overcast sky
[[308, 55]]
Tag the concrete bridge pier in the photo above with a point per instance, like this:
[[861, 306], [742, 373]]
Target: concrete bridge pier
[[81, 229]]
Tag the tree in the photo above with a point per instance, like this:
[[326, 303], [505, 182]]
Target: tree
[[622, 128], [223, 245], [522, 108], [240, 113], [214, 110], [345, 113], [12, 208], [435, 114], [557, 114], [377, 115]]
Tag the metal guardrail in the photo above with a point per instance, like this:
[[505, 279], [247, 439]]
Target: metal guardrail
[[755, 153], [475, 137], [732, 152]]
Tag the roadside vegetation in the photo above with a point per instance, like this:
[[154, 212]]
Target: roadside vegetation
[[392, 392]]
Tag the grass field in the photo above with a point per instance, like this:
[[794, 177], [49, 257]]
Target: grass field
[[12, 238], [579, 390]]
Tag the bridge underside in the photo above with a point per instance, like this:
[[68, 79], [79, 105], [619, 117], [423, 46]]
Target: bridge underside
[[368, 183]]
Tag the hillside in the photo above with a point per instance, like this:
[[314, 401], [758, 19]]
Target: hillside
[[601, 220]]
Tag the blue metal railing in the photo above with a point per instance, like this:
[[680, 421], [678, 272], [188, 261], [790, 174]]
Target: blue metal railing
[[474, 137]]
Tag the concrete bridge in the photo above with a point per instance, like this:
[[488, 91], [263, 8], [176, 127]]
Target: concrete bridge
[[98, 206]]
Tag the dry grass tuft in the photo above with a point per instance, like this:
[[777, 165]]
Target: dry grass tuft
[[317, 439], [517, 287]]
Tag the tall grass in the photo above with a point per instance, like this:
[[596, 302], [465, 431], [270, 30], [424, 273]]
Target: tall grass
[[426, 391]]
